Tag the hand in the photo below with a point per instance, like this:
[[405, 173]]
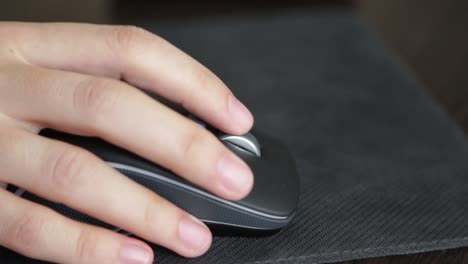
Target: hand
[[81, 79]]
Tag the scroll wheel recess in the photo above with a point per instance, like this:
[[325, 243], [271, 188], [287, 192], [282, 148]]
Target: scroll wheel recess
[[246, 142]]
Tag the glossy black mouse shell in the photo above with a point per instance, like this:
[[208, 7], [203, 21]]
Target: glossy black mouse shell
[[269, 207]]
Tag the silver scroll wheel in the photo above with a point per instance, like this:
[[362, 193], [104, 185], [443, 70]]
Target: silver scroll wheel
[[247, 141]]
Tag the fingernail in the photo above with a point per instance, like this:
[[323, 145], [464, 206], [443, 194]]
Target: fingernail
[[135, 254], [236, 176], [239, 112], [194, 234]]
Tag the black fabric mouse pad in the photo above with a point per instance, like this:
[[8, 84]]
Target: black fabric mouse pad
[[383, 169]]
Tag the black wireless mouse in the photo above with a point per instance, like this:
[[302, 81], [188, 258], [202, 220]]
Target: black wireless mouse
[[269, 207]]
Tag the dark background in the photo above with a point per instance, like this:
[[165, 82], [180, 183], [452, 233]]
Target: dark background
[[429, 36]]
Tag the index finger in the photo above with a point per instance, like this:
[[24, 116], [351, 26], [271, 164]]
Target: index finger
[[137, 57]]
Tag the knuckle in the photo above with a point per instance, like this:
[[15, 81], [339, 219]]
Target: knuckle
[[66, 170], [203, 77], [156, 212], [10, 142], [202, 83], [188, 146], [26, 233], [9, 32], [190, 89], [95, 97], [151, 213], [124, 39], [86, 245]]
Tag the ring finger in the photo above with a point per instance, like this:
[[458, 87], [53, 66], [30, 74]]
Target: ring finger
[[125, 116], [63, 173]]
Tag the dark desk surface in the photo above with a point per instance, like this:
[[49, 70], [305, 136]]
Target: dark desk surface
[[455, 256], [448, 85]]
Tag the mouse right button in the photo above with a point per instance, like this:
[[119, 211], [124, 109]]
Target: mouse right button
[[276, 187]]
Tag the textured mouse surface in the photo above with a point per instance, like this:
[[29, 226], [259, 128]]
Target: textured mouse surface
[[383, 170]]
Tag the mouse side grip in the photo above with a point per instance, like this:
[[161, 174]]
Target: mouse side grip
[[213, 212]]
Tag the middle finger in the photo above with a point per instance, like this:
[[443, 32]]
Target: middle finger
[[127, 117], [69, 175]]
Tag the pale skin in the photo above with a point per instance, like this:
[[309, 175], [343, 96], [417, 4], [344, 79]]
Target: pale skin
[[82, 79]]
